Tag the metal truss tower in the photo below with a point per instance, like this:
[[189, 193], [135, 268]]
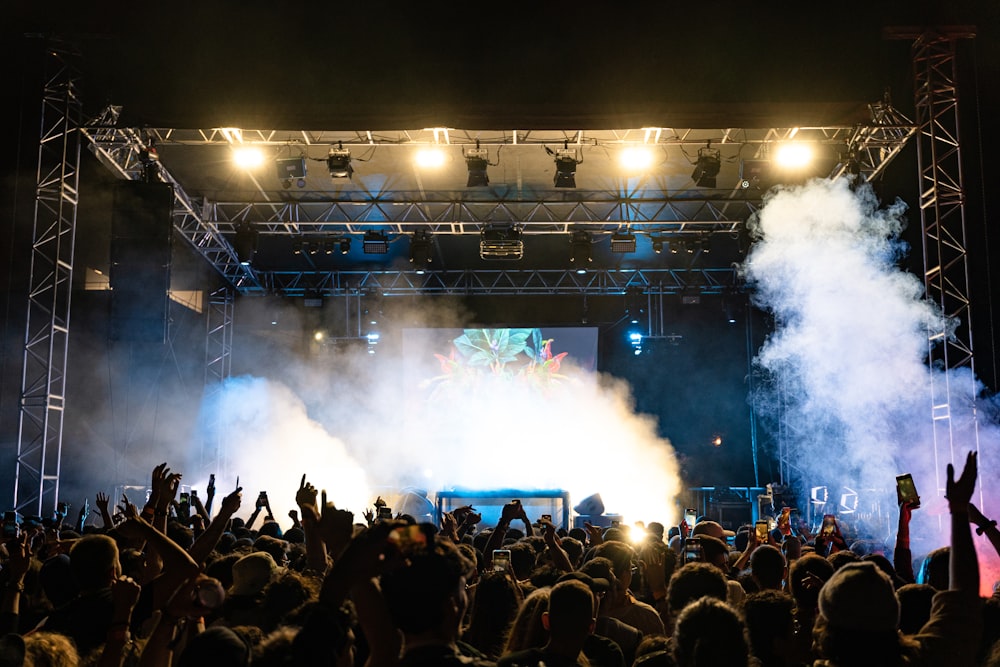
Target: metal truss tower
[[942, 216], [46, 340], [218, 367]]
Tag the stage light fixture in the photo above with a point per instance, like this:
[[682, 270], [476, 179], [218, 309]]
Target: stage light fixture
[[565, 176], [579, 254], [501, 243], [707, 168], [623, 242], [429, 158], [338, 162], [636, 158], [793, 155], [818, 495], [375, 243], [245, 243], [247, 157], [289, 168], [476, 161], [296, 247], [848, 501], [345, 245], [314, 247], [420, 250], [657, 245]]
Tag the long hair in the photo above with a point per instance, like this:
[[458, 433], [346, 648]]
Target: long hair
[[527, 630], [497, 601]]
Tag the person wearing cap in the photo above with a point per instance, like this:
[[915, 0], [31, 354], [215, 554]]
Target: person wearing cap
[[858, 622]]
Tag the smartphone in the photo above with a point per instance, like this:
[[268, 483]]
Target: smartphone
[[384, 513], [690, 516], [829, 523], [501, 560], [194, 494], [762, 531], [906, 490], [211, 481], [185, 497], [262, 498], [692, 550]]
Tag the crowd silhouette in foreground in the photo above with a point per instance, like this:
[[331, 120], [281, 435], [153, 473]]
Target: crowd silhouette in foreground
[[172, 583]]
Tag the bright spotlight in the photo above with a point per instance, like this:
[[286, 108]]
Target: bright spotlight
[[248, 157], [636, 159], [429, 158], [793, 155], [318, 336]]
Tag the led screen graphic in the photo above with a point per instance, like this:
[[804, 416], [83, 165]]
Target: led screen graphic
[[442, 361]]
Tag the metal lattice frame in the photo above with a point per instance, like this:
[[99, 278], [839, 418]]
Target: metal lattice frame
[[205, 224], [946, 266], [218, 368], [46, 341]]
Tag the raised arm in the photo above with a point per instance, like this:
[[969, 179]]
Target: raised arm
[[203, 546], [964, 566], [102, 501], [902, 557]]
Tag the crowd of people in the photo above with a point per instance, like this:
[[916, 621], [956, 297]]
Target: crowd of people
[[172, 583]]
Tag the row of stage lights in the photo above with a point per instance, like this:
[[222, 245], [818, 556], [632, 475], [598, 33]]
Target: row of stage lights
[[636, 159], [495, 243]]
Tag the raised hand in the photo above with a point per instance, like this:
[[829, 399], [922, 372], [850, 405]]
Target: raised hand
[[124, 594], [231, 503], [959, 491], [102, 501], [305, 498], [335, 527]]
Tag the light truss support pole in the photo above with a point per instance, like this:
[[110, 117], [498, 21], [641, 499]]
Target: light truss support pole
[[942, 216], [218, 367], [46, 339]]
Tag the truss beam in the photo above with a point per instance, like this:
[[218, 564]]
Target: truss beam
[[500, 282]]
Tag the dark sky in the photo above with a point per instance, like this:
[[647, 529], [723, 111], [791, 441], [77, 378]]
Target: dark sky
[[521, 64]]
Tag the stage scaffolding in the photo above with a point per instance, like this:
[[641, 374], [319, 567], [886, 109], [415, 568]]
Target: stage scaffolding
[[208, 228]]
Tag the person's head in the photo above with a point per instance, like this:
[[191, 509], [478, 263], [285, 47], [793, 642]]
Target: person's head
[[427, 595], [914, 606], [715, 552], [622, 557], [709, 633], [253, 572], [805, 577], [602, 569], [693, 582], [767, 566], [94, 562], [858, 617], [841, 558], [527, 630], [277, 547], [288, 591], [49, 649], [656, 529], [770, 621], [522, 559], [935, 569], [497, 599], [573, 548], [712, 529], [571, 613]]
